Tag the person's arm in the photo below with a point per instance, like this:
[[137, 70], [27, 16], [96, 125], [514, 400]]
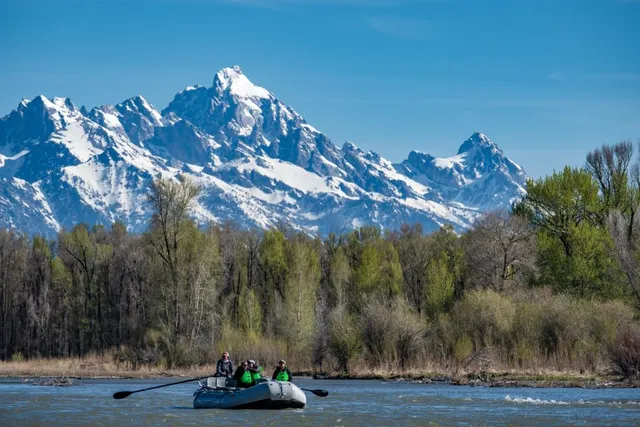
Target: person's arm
[[275, 374], [219, 369], [289, 372], [230, 368]]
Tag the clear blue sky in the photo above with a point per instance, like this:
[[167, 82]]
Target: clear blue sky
[[548, 80]]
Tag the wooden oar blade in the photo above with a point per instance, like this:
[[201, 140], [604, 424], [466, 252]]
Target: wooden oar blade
[[122, 394]]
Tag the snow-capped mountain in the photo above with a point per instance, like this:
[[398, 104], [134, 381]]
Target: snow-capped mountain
[[256, 159], [480, 175]]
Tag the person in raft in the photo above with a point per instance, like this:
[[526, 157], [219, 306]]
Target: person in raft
[[224, 368], [282, 372], [255, 370], [243, 375]]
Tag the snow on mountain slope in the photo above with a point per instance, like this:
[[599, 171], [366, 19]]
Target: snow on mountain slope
[[23, 206], [257, 161]]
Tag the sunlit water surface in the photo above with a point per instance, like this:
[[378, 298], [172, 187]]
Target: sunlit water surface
[[350, 403]]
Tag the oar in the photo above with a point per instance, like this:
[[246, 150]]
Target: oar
[[123, 394], [320, 393]]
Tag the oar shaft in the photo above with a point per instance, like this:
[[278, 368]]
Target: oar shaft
[[167, 385], [123, 394]]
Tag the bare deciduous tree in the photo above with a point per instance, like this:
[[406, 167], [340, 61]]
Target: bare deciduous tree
[[609, 165], [500, 250], [626, 250]]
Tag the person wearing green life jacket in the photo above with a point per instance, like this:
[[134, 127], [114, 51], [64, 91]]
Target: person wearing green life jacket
[[243, 376], [255, 370], [282, 372]]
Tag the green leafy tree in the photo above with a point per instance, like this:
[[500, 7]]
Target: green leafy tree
[[556, 202], [440, 287], [301, 286], [250, 320], [274, 266], [574, 251]]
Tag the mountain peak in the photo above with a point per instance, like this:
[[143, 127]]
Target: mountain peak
[[137, 103], [53, 106], [233, 80], [41, 100], [478, 141]]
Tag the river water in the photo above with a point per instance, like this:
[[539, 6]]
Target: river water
[[350, 403]]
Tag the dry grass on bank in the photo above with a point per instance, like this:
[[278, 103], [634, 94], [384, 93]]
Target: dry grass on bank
[[93, 366], [103, 366]]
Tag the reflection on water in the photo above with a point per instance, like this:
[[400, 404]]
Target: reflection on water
[[350, 403]]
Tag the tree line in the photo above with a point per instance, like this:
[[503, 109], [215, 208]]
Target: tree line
[[555, 281]]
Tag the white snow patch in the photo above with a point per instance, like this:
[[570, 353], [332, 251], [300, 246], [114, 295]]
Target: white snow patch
[[273, 198], [20, 183], [449, 162], [59, 102], [48, 213], [111, 120], [309, 127], [3, 159], [239, 85], [154, 113], [285, 172], [437, 209], [384, 167], [75, 138]]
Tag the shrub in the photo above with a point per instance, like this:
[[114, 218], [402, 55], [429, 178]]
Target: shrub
[[128, 357], [345, 342], [486, 317], [378, 332], [526, 332], [409, 332], [462, 349], [624, 354]]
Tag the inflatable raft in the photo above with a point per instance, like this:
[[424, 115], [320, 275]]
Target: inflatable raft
[[221, 393]]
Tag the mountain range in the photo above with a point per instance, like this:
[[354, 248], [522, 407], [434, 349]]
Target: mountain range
[[256, 159]]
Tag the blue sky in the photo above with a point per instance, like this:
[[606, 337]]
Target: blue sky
[[548, 80]]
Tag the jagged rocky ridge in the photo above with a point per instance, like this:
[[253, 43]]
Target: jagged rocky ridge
[[258, 162]]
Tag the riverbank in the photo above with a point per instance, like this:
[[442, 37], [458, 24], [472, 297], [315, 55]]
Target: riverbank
[[104, 367], [94, 367], [507, 379]]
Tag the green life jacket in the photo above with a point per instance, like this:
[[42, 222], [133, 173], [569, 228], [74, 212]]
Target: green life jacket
[[246, 377], [256, 375], [282, 376]]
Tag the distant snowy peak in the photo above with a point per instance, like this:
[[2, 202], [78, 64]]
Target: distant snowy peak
[[480, 175], [234, 81], [139, 105], [246, 119], [134, 117], [484, 156], [478, 142]]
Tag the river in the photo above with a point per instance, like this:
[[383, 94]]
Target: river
[[350, 403]]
